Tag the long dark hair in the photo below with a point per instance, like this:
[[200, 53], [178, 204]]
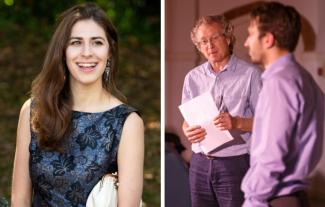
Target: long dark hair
[[51, 95]]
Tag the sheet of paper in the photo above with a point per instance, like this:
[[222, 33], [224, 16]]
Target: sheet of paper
[[201, 110]]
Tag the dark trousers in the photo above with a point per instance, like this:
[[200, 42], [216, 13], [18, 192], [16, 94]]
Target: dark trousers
[[216, 182], [297, 199]]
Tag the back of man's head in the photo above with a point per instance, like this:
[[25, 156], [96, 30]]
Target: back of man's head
[[280, 20]]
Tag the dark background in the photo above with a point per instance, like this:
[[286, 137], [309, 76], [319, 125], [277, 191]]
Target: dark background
[[26, 27]]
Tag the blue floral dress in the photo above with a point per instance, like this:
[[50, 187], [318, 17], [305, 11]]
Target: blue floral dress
[[66, 179]]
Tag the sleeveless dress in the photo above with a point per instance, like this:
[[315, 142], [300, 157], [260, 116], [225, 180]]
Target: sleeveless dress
[[66, 179]]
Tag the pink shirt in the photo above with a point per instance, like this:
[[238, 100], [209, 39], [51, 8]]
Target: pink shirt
[[287, 137]]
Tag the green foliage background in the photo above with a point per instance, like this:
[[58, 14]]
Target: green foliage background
[[25, 29]]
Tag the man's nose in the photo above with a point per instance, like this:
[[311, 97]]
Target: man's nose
[[246, 43], [210, 44]]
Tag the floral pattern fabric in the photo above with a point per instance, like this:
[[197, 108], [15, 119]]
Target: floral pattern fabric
[[66, 178]]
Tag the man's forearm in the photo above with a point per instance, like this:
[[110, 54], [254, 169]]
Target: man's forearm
[[184, 126], [243, 124]]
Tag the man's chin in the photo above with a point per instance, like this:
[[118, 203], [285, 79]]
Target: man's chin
[[255, 60]]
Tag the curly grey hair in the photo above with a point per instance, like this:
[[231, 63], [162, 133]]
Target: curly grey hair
[[228, 29]]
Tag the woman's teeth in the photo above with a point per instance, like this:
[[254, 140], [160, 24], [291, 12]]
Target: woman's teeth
[[87, 65]]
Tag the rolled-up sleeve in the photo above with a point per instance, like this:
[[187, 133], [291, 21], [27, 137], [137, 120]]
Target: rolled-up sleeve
[[186, 92]]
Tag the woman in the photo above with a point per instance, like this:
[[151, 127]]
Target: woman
[[75, 128]]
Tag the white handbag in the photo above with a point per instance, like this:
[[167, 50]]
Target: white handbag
[[104, 194]]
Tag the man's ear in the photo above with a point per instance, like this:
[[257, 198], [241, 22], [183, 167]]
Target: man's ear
[[198, 48], [269, 40], [228, 41]]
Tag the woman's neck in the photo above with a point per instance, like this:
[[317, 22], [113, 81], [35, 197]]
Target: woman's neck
[[91, 98]]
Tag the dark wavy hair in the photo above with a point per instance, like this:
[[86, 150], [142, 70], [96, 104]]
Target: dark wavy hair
[[51, 94], [280, 20]]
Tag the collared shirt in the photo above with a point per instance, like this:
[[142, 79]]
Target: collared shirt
[[287, 137], [237, 85]]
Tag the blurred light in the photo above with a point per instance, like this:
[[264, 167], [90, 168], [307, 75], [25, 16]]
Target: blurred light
[[153, 125], [148, 176], [9, 2]]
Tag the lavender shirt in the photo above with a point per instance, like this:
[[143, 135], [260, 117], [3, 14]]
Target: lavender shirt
[[287, 138], [238, 85]]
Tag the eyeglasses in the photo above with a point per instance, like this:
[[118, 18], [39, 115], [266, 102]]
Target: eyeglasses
[[213, 39]]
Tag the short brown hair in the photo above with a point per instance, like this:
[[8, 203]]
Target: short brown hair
[[280, 20], [228, 28]]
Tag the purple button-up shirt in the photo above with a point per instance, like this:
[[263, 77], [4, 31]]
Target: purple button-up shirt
[[238, 85], [287, 137]]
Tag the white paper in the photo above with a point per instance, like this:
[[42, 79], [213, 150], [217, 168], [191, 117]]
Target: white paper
[[201, 110]]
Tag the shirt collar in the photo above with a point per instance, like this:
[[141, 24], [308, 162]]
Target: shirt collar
[[230, 66], [274, 67]]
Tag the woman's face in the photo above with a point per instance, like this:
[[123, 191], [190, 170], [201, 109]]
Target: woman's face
[[87, 53]]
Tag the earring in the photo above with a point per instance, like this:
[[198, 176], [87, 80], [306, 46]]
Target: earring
[[107, 69]]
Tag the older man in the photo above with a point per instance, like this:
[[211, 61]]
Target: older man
[[288, 126], [215, 178]]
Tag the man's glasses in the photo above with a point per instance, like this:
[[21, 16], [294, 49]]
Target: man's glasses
[[213, 39]]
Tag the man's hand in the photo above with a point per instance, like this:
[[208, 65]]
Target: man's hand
[[224, 121], [227, 122], [194, 133]]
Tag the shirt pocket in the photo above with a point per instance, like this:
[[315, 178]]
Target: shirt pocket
[[236, 103]]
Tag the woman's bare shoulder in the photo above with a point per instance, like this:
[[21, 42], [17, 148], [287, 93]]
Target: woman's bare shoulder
[[25, 109], [134, 123]]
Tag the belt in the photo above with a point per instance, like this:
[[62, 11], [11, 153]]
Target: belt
[[210, 157], [298, 198]]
